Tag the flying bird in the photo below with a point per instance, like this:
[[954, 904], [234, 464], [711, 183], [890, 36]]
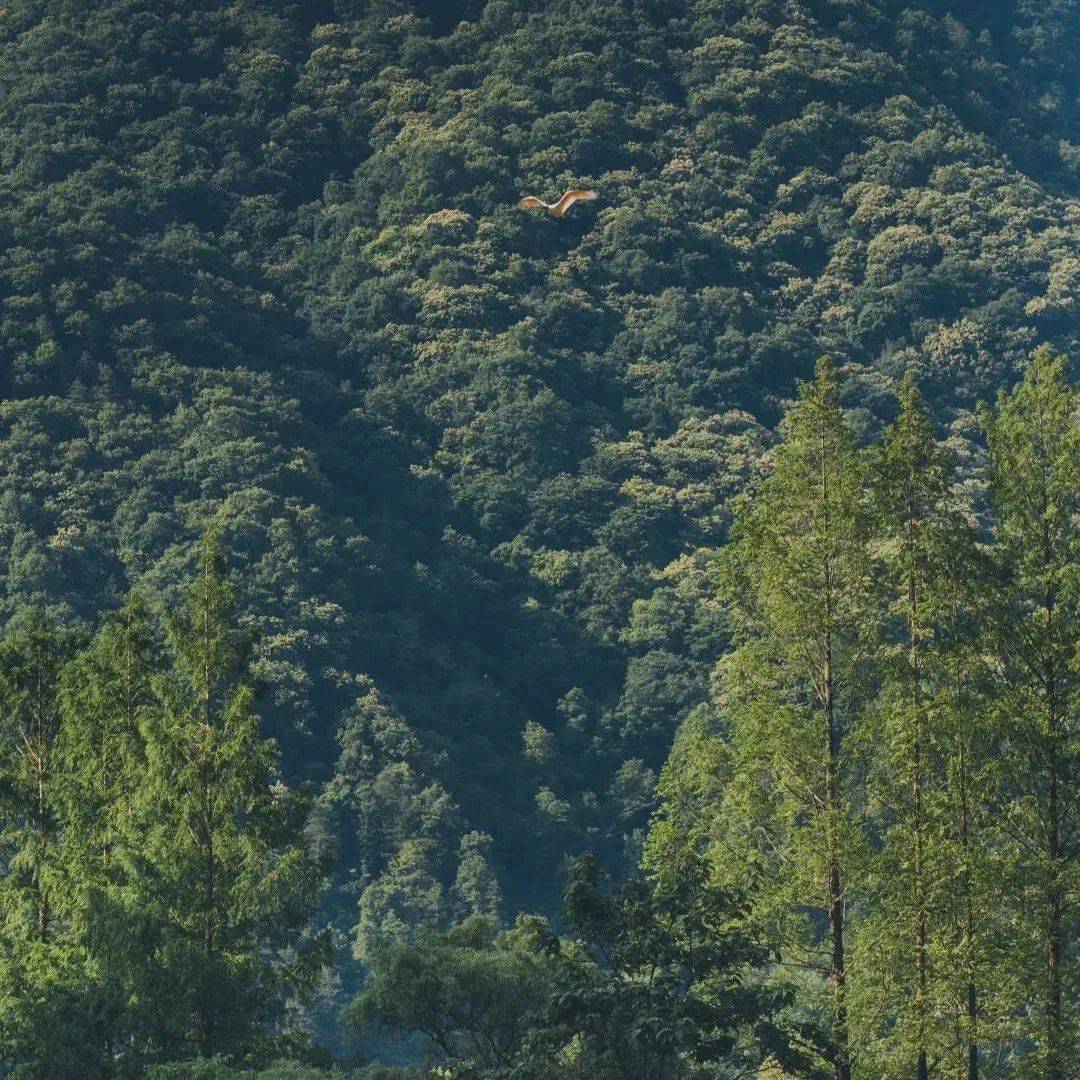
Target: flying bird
[[558, 209]]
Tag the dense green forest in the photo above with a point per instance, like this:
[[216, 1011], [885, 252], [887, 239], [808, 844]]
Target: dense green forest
[[442, 635]]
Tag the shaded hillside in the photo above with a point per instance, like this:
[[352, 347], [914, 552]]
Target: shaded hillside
[[261, 261]]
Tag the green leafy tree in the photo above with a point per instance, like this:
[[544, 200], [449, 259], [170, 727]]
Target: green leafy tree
[[476, 889], [106, 698], [652, 980], [928, 573], [41, 961], [796, 685], [676, 987], [979, 990], [472, 992], [32, 661], [225, 881], [1034, 442]]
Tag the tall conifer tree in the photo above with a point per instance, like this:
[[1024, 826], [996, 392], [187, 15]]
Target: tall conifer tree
[[106, 697], [31, 661], [1034, 442], [926, 557], [39, 955], [798, 576], [969, 860], [228, 881]]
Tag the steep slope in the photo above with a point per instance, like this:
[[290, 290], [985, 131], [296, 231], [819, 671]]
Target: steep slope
[[262, 260]]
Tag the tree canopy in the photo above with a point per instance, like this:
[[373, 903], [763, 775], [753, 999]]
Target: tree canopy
[[510, 505]]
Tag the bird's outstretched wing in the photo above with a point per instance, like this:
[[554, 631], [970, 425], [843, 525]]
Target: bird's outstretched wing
[[531, 202], [572, 196]]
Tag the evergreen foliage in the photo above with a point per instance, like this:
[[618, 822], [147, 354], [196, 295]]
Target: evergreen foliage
[[157, 881], [536, 538]]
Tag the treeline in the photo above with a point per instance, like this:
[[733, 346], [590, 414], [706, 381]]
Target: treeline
[[863, 864], [895, 785]]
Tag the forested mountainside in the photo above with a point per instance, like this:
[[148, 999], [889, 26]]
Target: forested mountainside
[[470, 468]]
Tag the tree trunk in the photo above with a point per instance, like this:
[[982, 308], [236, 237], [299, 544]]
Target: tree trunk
[[1055, 1065], [973, 1021], [205, 1006], [972, 1004], [922, 1071], [838, 971], [838, 966], [40, 827], [210, 873]]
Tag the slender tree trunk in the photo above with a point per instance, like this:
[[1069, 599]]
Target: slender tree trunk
[[207, 1020], [838, 972], [210, 874], [922, 1071], [1054, 923], [972, 997], [921, 1068], [1055, 1066], [206, 1009], [838, 966], [973, 1021], [40, 828]]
